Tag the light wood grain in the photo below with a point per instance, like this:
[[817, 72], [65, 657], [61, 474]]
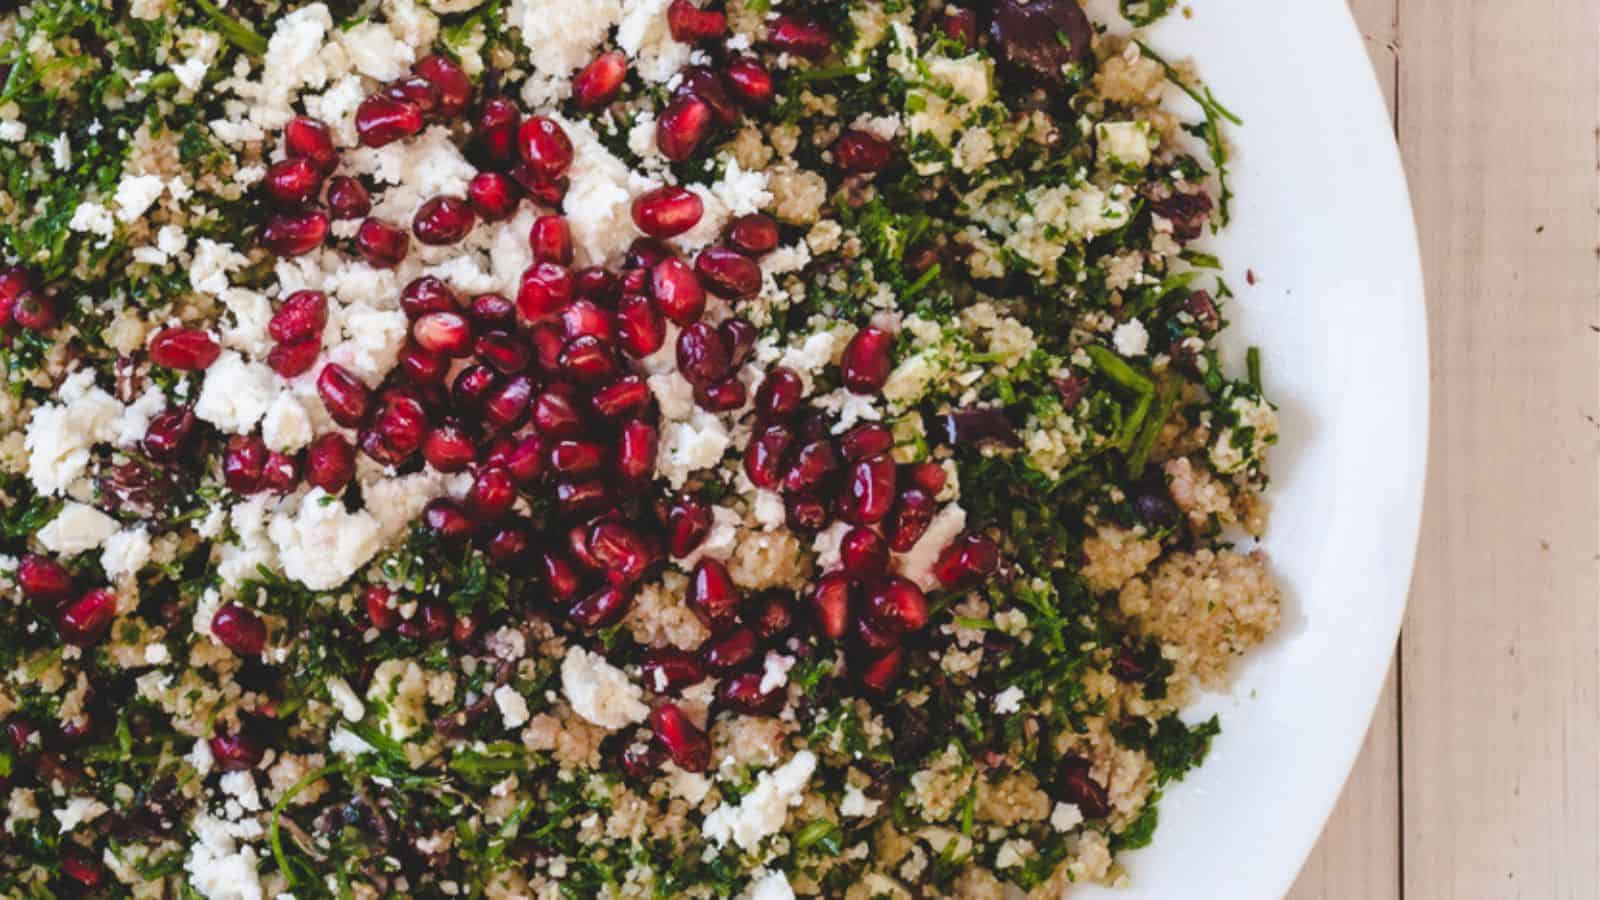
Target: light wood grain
[[1499, 679]]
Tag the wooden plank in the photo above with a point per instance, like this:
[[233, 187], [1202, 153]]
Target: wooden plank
[[1359, 854], [1500, 683]]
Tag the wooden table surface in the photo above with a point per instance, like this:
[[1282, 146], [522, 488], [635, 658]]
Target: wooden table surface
[[1481, 775]]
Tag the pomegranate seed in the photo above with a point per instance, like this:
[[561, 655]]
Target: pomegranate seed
[[692, 25], [167, 434], [866, 439], [561, 575], [423, 366], [601, 609], [330, 463], [383, 120], [898, 605], [444, 333], [867, 361], [730, 651], [347, 198], [547, 342], [401, 423], [780, 394], [419, 92], [755, 234], [382, 244], [640, 761], [280, 473], [864, 553], [705, 85], [556, 417], [242, 462], [455, 89], [641, 329], [503, 351], [493, 196], [861, 152], [304, 314], [750, 81], [432, 623], [42, 578], [623, 554], [960, 25], [588, 360], [506, 406], [473, 385], [509, 545], [236, 752], [378, 601], [296, 358], [295, 234], [667, 670], [771, 614], [81, 866], [1077, 786], [577, 457], [239, 629], [869, 491], [970, 557], [585, 317], [645, 252], [728, 273], [34, 311], [678, 292], [543, 190], [911, 518], [84, 621], [446, 518], [766, 457], [929, 476], [831, 603], [493, 491], [688, 746], [667, 212], [185, 349], [702, 354], [683, 125], [800, 36], [551, 240], [597, 284], [817, 425], [740, 336], [742, 693], [443, 220], [343, 394], [636, 451], [813, 465], [545, 147], [307, 138], [525, 459], [545, 290], [625, 397], [583, 498], [688, 523], [978, 425], [447, 447], [724, 396], [598, 83], [493, 309], [374, 446], [712, 596], [292, 182], [881, 672], [498, 122], [426, 295]]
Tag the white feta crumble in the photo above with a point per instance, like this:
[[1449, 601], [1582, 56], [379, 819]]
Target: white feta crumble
[[1066, 816], [1009, 700], [78, 528], [126, 552], [346, 743], [763, 811], [768, 886], [512, 705], [78, 811], [135, 194], [219, 868], [775, 671], [857, 804], [346, 700], [92, 218], [600, 692], [1131, 338], [321, 543], [235, 393]]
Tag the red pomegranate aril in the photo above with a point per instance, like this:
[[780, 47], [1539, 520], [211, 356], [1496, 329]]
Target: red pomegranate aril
[[506, 406], [731, 651], [14, 282], [961, 25], [910, 520], [636, 451], [831, 604], [601, 609], [929, 476], [35, 312], [881, 672], [869, 491], [447, 447], [683, 126], [382, 244], [444, 333], [728, 273], [813, 465], [84, 621], [509, 545], [969, 558], [82, 867], [419, 92], [599, 82], [578, 545], [493, 310], [724, 396], [743, 694], [816, 425], [426, 295], [303, 314], [865, 440], [42, 578], [645, 253], [545, 147], [750, 81], [525, 459], [556, 416], [242, 462], [307, 138], [498, 122], [867, 360], [347, 198], [771, 614], [432, 623], [443, 220], [455, 88], [547, 341], [780, 394], [185, 349], [588, 360], [691, 24], [492, 493], [755, 234], [701, 83], [494, 196], [800, 36], [168, 434], [292, 182], [863, 553], [667, 212], [597, 284], [561, 575], [740, 336], [550, 238], [330, 463], [236, 752], [627, 396], [295, 358], [401, 422], [378, 601], [862, 153], [295, 234], [505, 352], [423, 366], [712, 596], [343, 394], [382, 120], [577, 457], [585, 317], [702, 354], [766, 457], [545, 290], [582, 498], [621, 553], [679, 296], [239, 629], [373, 445], [1078, 787], [688, 746], [280, 474], [542, 190], [641, 329], [897, 604], [667, 670], [688, 523], [875, 636], [446, 518]]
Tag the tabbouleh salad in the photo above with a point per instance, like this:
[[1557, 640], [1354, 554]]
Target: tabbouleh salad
[[624, 448]]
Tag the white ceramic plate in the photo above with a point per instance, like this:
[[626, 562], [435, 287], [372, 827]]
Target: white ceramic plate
[[1323, 219]]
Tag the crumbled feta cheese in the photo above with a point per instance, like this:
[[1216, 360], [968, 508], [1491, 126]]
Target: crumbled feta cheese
[[126, 552], [219, 868], [93, 218], [1131, 338], [235, 394], [78, 528], [78, 811], [768, 886], [775, 671], [349, 705], [600, 692], [212, 264], [1009, 700], [856, 804], [286, 427], [135, 194], [512, 705], [763, 811], [322, 544], [59, 436], [1066, 816]]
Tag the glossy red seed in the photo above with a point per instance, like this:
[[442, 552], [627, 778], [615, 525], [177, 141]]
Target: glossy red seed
[[800, 36], [712, 596], [702, 355], [969, 558], [443, 220], [779, 395], [601, 609], [446, 518], [35, 312], [509, 545], [766, 457], [280, 474], [678, 292], [831, 604], [545, 290], [881, 672], [492, 493], [506, 406], [770, 614], [740, 336], [307, 138], [545, 147], [492, 310], [667, 670], [585, 317], [455, 88], [295, 358], [597, 284], [551, 240], [303, 314], [624, 555], [239, 629], [743, 694], [688, 523], [496, 128], [682, 127], [330, 463], [401, 422], [897, 604], [167, 435], [961, 25], [910, 520], [869, 491], [588, 360], [494, 196], [571, 457], [636, 451], [599, 82], [428, 294], [42, 578], [755, 234], [433, 622], [236, 752], [626, 397], [383, 120], [929, 476], [423, 366], [861, 152], [1078, 787], [84, 621], [691, 24], [242, 462], [667, 212], [419, 92], [472, 385], [704, 84], [557, 416], [730, 651], [382, 244], [543, 190], [728, 273], [343, 394], [688, 746], [347, 198], [813, 465], [867, 360], [863, 553], [444, 333], [874, 635], [185, 349], [525, 459], [561, 576], [382, 611], [503, 351], [82, 867], [750, 81], [292, 182], [448, 447], [295, 234], [726, 395], [866, 439], [641, 328]]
